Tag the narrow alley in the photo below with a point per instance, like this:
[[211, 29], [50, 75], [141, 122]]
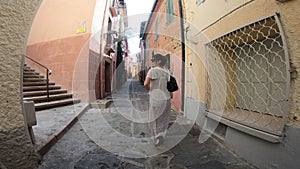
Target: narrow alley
[[107, 138], [72, 74]]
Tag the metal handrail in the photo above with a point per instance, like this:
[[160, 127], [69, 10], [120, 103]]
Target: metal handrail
[[47, 74]]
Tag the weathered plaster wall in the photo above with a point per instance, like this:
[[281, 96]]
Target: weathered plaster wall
[[73, 57], [60, 56], [199, 17], [264, 155], [168, 42], [57, 36], [255, 10], [58, 19], [208, 12], [289, 17], [86, 81], [16, 150]]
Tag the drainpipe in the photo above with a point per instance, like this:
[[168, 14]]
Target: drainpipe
[[183, 55]]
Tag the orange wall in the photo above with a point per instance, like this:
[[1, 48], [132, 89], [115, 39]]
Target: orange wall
[[58, 19], [60, 56], [168, 42], [54, 40]]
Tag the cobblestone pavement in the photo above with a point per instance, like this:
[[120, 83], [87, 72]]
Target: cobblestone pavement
[[118, 137], [53, 121]]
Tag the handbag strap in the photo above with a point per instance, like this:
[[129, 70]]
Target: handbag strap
[[165, 70]]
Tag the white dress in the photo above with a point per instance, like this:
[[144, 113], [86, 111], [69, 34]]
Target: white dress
[[160, 105]]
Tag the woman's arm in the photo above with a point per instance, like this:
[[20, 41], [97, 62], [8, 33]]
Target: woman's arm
[[147, 83]]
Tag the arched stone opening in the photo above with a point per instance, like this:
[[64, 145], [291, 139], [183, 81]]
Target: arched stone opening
[[16, 149]]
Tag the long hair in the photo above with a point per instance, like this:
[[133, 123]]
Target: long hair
[[161, 58]]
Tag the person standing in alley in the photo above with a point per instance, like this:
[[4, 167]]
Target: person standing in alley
[[160, 104]]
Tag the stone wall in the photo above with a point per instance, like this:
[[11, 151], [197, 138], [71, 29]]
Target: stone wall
[[289, 16], [16, 150]]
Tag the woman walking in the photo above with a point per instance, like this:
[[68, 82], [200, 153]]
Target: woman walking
[[160, 104]]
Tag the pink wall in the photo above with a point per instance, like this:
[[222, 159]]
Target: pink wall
[[176, 68], [59, 39], [57, 19], [168, 42], [60, 56]]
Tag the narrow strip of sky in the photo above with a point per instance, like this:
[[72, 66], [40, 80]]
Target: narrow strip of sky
[[139, 6], [137, 12]]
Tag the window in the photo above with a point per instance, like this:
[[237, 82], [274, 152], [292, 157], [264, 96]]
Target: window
[[260, 77], [156, 30], [170, 11], [248, 77]]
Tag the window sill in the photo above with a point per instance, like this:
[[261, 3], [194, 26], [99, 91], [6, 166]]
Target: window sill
[[258, 130]]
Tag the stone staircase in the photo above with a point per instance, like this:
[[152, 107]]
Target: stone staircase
[[35, 89]]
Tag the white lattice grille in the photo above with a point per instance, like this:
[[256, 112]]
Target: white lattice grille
[[248, 78]]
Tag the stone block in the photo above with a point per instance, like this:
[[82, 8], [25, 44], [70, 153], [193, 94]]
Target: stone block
[[29, 111], [101, 104]]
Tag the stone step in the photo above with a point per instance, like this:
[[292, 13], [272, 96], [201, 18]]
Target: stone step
[[37, 88], [37, 83], [101, 104], [33, 79], [33, 76], [30, 73], [57, 103], [28, 70], [39, 99], [44, 92], [27, 67]]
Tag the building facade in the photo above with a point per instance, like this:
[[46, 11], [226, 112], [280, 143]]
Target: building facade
[[79, 46], [16, 149], [68, 41], [163, 34], [241, 76]]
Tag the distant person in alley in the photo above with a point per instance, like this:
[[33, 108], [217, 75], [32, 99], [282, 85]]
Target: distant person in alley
[[160, 104]]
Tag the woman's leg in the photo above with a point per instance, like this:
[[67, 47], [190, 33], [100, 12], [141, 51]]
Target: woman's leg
[[159, 115], [162, 122]]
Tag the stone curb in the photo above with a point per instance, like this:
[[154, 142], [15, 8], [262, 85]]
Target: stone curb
[[43, 149], [101, 104]]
